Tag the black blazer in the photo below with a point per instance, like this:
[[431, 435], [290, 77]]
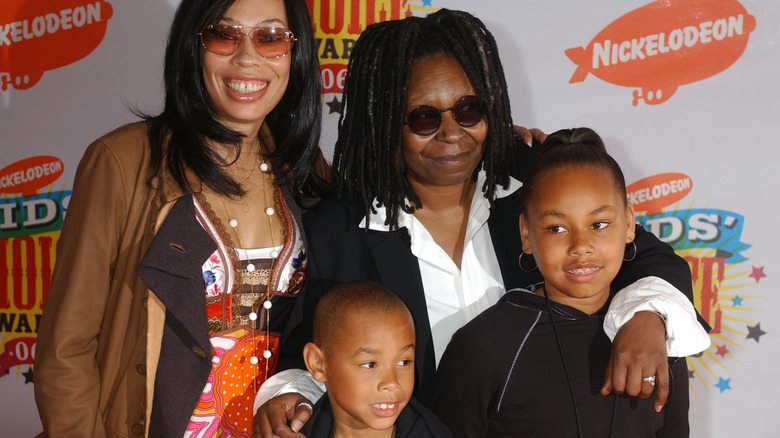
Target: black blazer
[[339, 251]]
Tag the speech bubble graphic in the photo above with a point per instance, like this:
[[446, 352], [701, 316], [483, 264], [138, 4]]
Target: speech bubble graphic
[[28, 175], [655, 192], [665, 44], [37, 36]]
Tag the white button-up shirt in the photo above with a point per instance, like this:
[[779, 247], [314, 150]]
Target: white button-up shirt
[[454, 296]]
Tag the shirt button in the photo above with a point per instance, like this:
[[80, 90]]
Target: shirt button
[[137, 429], [141, 369], [199, 351]]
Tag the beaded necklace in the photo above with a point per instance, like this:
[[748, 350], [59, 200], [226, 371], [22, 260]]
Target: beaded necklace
[[250, 267]]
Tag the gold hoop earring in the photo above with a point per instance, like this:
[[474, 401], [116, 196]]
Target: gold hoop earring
[[633, 256], [520, 262]]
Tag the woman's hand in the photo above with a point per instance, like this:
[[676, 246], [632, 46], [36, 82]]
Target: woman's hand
[[528, 135], [639, 352], [272, 418]]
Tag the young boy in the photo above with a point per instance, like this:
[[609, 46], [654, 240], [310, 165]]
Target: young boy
[[363, 351]]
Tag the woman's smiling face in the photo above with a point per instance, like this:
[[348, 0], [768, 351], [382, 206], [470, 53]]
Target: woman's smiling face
[[450, 155], [243, 86]]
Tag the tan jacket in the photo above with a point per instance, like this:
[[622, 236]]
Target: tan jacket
[[99, 341], [91, 357]]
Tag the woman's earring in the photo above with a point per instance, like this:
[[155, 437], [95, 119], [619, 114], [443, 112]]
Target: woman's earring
[[520, 262], [633, 256]]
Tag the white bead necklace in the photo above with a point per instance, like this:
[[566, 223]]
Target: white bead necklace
[[250, 267]]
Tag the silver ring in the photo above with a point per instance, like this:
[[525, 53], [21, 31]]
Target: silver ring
[[650, 380], [308, 405]]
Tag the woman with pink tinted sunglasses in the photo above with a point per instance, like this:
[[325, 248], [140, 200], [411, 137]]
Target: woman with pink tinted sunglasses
[[183, 250]]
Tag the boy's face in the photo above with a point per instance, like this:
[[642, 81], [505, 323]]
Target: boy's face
[[369, 369]]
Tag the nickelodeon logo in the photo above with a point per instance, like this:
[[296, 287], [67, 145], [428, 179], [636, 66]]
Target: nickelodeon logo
[[29, 175], [39, 36], [665, 44], [653, 193]]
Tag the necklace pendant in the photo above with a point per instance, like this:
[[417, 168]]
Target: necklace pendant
[[269, 211], [264, 166], [233, 223], [250, 267]]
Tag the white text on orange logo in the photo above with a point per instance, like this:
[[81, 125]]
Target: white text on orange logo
[[50, 23], [609, 53]]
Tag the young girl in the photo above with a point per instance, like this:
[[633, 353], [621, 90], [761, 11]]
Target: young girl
[[533, 364]]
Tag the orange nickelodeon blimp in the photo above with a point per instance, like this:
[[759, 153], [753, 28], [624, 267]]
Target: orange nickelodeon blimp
[[665, 44], [38, 36]]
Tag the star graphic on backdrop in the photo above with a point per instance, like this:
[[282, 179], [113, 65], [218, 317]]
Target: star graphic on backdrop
[[426, 3], [723, 384], [736, 301], [28, 376], [722, 350], [691, 374], [755, 332], [334, 105], [758, 273]]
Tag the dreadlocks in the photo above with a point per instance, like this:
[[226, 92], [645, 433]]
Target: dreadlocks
[[367, 160]]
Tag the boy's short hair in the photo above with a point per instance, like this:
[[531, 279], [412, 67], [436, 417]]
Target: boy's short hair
[[346, 297]]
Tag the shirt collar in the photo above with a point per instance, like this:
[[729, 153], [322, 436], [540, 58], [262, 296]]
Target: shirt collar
[[376, 221]]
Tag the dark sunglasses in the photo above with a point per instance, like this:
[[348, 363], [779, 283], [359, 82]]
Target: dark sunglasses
[[269, 42], [426, 119]]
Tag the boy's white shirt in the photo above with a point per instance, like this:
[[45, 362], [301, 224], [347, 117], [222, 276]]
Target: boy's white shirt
[[283, 382], [685, 336]]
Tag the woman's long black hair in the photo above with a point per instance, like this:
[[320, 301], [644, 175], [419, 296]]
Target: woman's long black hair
[[367, 162], [179, 135]]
